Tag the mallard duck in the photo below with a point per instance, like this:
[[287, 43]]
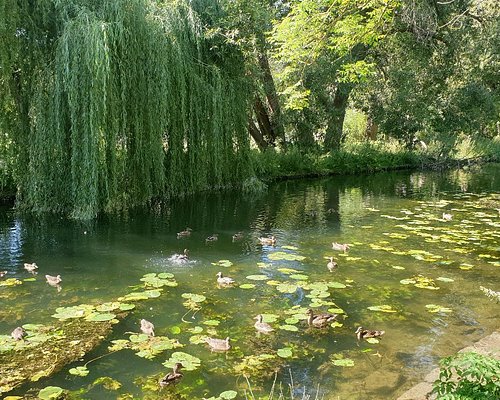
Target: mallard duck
[[172, 377], [181, 258], [268, 241], [53, 280], [218, 344], [238, 236], [340, 246], [261, 326], [365, 333], [224, 280], [331, 264], [147, 327], [18, 334], [184, 233], [447, 217], [319, 320], [3, 273], [212, 238], [30, 267]]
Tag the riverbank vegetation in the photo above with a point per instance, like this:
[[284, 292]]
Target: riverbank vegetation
[[108, 106]]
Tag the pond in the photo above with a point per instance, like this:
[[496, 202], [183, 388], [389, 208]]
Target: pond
[[409, 271]]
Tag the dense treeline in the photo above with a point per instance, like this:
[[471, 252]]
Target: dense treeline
[[108, 105]]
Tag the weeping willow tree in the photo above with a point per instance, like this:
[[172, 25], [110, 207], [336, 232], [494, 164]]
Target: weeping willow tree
[[124, 106]]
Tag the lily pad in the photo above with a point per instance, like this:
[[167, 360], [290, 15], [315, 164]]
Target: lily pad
[[434, 308], [197, 298], [281, 255], [223, 263], [269, 318], [343, 362], [287, 287], [247, 286], [100, 317], [50, 393], [373, 340], [285, 352], [383, 308], [287, 247], [228, 395], [189, 362], [290, 328], [444, 279], [336, 285], [211, 322], [258, 277], [79, 371], [299, 277]]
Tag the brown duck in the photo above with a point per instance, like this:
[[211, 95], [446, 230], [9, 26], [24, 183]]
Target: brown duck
[[18, 334], [184, 233], [319, 320], [172, 377], [218, 344], [262, 326], [340, 246], [147, 327], [268, 241], [366, 333], [331, 264], [30, 267]]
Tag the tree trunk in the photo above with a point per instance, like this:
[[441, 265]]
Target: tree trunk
[[256, 135], [371, 129], [263, 121], [271, 95], [336, 115]]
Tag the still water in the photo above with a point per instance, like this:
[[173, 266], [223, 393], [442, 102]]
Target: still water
[[425, 270]]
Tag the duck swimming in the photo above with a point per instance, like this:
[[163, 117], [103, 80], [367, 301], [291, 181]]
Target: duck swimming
[[172, 377], [30, 267], [224, 280], [53, 280], [147, 327], [184, 233], [218, 344], [365, 333], [268, 241], [212, 238], [340, 246], [331, 264], [261, 326], [319, 320]]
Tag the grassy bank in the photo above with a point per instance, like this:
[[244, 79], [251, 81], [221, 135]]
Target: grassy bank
[[367, 157]]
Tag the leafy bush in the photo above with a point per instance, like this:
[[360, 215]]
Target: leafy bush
[[468, 376]]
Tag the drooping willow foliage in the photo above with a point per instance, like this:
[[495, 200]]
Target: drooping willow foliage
[[128, 107]]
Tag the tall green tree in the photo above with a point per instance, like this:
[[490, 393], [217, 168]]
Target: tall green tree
[[322, 50], [116, 104]]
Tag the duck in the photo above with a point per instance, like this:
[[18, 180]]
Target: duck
[[331, 264], [218, 344], [30, 267], [365, 333], [447, 217], [53, 280], [268, 241], [319, 320], [224, 280], [180, 258], [18, 334], [3, 273], [147, 327], [172, 377], [238, 236], [184, 233], [261, 326], [212, 238], [340, 246]]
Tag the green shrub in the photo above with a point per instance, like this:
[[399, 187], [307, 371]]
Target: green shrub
[[468, 376]]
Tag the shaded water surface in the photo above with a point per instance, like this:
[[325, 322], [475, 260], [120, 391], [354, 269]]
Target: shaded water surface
[[425, 270]]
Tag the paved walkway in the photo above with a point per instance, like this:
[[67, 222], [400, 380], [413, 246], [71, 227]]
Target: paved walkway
[[489, 345]]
